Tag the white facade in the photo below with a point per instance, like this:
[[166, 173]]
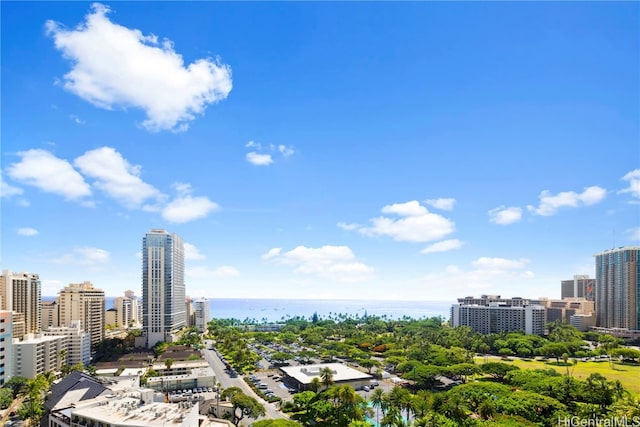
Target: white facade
[[497, 317], [201, 314], [534, 319], [163, 289], [78, 343], [37, 354]]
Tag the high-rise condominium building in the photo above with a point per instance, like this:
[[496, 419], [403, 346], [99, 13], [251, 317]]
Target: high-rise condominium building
[[496, 317], [126, 310], [581, 286], [188, 310], [21, 292], [201, 314], [50, 314], [82, 302], [618, 288], [78, 348], [163, 290]]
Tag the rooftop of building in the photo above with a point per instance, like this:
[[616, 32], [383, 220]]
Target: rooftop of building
[[130, 410], [30, 339], [619, 249], [76, 387], [306, 373]]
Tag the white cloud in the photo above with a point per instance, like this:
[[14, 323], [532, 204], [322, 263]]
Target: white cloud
[[634, 233], [84, 256], [187, 208], [442, 246], [7, 190], [446, 204], [549, 204], [116, 177], [117, 67], [259, 159], [505, 215], [27, 231], [416, 224], [201, 272], [285, 151], [273, 252], [348, 227], [488, 275], [191, 252], [500, 263], [412, 208], [633, 178], [76, 119], [42, 169], [263, 155], [338, 263]]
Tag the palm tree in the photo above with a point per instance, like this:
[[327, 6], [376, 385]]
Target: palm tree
[[62, 358], [326, 377], [168, 363], [315, 384], [400, 398], [377, 401]]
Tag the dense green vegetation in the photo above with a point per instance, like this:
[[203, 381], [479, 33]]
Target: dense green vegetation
[[31, 394], [427, 354]]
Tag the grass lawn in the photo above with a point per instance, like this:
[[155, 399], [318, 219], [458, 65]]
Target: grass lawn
[[628, 375]]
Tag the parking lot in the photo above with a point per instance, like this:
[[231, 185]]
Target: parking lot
[[193, 394], [269, 382]]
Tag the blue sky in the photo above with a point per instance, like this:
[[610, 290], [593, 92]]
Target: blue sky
[[411, 151]]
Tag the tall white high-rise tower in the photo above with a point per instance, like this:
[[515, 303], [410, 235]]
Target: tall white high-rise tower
[[163, 290]]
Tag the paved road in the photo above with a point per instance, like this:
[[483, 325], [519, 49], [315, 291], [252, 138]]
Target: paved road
[[226, 381]]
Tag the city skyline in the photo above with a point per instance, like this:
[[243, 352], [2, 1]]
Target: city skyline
[[416, 151]]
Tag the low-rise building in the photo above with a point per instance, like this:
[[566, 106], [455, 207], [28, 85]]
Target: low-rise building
[[300, 377], [583, 322], [125, 408], [180, 378]]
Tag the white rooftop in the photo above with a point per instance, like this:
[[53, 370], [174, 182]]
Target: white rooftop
[[128, 411], [306, 373]]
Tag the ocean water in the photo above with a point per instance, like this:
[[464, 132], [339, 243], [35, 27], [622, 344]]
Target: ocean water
[[273, 310]]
